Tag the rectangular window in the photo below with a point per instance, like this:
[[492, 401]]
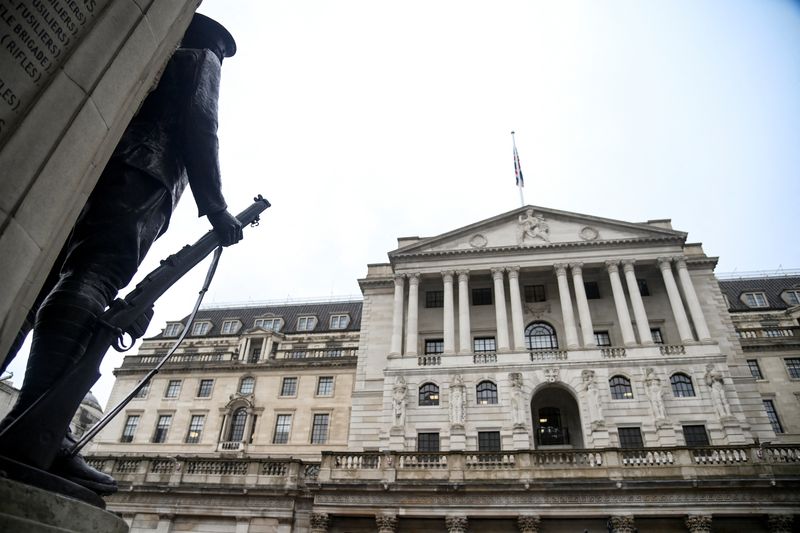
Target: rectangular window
[[173, 329], [256, 345], [339, 321], [793, 366], [130, 428], [268, 324], [772, 414], [755, 370], [162, 427], [230, 326], [195, 429], [204, 390], [143, 391], [695, 435], [592, 290], [306, 323], [283, 426], [482, 296], [644, 290], [434, 346], [434, 299], [319, 431], [173, 388], [792, 297], [630, 438], [289, 387], [427, 442], [325, 386], [201, 328], [755, 299], [489, 441], [656, 334], [535, 293], [484, 344], [602, 338]]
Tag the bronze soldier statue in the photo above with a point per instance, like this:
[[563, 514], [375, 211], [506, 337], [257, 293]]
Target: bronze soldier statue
[[170, 142]]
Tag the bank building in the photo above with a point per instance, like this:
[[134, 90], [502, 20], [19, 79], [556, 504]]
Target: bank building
[[539, 371]]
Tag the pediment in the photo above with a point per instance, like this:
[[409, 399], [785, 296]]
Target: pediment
[[532, 227]]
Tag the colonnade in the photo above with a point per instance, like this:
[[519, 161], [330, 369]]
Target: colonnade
[[563, 271]]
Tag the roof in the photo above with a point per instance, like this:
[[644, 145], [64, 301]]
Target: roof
[[771, 286], [289, 313]]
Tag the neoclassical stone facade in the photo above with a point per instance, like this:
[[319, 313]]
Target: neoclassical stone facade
[[537, 371]]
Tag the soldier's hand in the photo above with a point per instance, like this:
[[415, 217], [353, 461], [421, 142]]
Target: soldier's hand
[[227, 227]]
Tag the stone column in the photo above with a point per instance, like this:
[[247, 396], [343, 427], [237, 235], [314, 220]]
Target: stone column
[[412, 325], [449, 314], [684, 330], [464, 329], [397, 317], [319, 522], [387, 523], [456, 524], [566, 305], [698, 319], [587, 329], [500, 310], [642, 324], [242, 524], [529, 523], [780, 523], [621, 524], [517, 324], [628, 338], [164, 523], [698, 523]]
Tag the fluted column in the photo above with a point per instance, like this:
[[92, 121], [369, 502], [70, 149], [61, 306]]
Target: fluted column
[[412, 324], [623, 316], [621, 524], [456, 524], [397, 317], [587, 329], [642, 324], [517, 325], [682, 322], [566, 305], [529, 523], [449, 314], [695, 310], [500, 310], [387, 523], [464, 328], [698, 523]]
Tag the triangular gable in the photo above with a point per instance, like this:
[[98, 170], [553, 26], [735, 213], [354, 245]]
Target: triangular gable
[[533, 226]]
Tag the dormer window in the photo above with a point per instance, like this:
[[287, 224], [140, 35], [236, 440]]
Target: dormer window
[[230, 326], [755, 299], [173, 329], [306, 323], [201, 328], [339, 321], [791, 297], [269, 324]]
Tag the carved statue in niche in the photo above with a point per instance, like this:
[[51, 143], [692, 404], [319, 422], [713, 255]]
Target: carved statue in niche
[[399, 402], [716, 383], [593, 399], [519, 412], [532, 227], [457, 402], [652, 385]]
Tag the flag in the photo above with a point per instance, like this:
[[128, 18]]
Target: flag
[[518, 168]]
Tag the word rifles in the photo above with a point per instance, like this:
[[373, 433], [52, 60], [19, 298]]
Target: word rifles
[[35, 437]]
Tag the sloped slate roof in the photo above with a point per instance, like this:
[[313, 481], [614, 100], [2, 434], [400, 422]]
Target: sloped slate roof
[[289, 314], [772, 287]]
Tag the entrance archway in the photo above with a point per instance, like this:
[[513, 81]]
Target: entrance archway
[[556, 418]]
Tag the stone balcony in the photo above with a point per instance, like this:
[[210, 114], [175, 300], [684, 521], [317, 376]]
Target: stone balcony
[[227, 360]]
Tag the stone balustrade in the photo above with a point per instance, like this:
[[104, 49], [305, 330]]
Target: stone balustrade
[[231, 358]]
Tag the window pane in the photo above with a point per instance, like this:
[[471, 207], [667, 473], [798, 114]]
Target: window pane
[[143, 391], [535, 293], [592, 290], [427, 442], [489, 441], [620, 388], [772, 415], [162, 427], [195, 429], [429, 394], [656, 334], [204, 390], [482, 296], [630, 438], [540, 336], [238, 421], [130, 428], [434, 346], [434, 299], [486, 393], [484, 344], [644, 290], [681, 385], [755, 370], [319, 432], [695, 435], [247, 385], [325, 386], [602, 338], [283, 425], [289, 387], [793, 366], [173, 388]]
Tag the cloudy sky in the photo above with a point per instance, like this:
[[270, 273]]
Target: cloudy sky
[[362, 121]]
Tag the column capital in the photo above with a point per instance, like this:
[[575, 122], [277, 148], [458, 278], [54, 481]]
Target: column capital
[[664, 263], [387, 523], [680, 261], [456, 524], [621, 524], [698, 523], [529, 523], [627, 265], [413, 278], [577, 268], [513, 271], [560, 268], [497, 273], [462, 275], [612, 265], [319, 522], [780, 523], [399, 279], [447, 276]]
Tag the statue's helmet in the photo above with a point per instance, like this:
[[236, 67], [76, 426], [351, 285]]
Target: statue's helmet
[[206, 33]]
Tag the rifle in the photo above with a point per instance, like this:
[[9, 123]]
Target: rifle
[[35, 436]]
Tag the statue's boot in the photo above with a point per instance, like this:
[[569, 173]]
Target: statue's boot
[[76, 469]]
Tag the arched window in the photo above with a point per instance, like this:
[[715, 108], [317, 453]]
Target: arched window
[[681, 385], [540, 336], [429, 394], [247, 385], [620, 388], [486, 392], [238, 421]]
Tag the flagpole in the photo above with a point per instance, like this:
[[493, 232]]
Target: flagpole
[[518, 171]]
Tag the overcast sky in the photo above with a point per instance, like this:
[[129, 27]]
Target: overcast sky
[[362, 121]]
